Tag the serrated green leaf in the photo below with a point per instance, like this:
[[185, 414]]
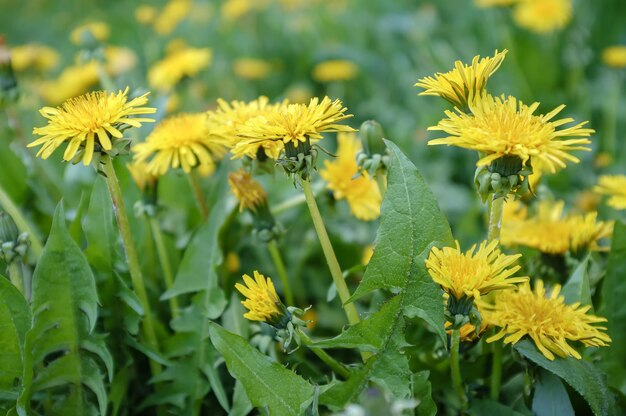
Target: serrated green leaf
[[581, 375], [577, 287], [341, 393], [550, 398], [99, 229], [613, 308], [422, 392], [267, 383]]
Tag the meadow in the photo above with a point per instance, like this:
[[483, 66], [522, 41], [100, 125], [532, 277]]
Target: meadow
[[309, 207]]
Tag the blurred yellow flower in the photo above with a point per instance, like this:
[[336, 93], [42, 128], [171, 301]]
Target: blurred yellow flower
[[551, 231], [248, 192], [543, 16], [615, 56], [234, 9], [119, 59], [464, 82], [141, 176], [603, 159], [177, 65], [229, 117], [299, 94], [251, 68], [232, 262], [145, 14], [262, 301], [97, 30], [474, 273], [547, 320], [504, 126], [33, 56], [73, 80], [494, 3], [347, 182], [172, 14], [183, 140], [88, 121], [335, 70], [613, 186], [587, 201]]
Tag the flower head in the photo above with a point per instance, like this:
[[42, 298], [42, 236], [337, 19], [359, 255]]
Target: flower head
[[73, 80], [347, 182], [615, 56], [475, 272], [334, 70], [181, 63], [499, 126], [543, 16], [251, 68], [248, 192], [183, 140], [459, 85], [33, 56], [141, 176], [96, 30], [145, 14], [615, 187], [262, 302], [172, 14], [547, 320], [89, 122]]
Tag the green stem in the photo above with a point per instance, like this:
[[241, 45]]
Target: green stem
[[16, 276], [329, 253], [288, 204], [282, 272], [496, 370], [381, 180], [495, 218], [168, 276], [131, 257], [330, 361], [21, 222], [608, 144], [455, 368], [197, 191]]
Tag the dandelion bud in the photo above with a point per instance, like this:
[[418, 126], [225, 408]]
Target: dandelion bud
[[8, 229], [371, 134]]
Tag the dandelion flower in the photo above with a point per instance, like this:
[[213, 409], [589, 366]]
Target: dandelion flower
[[177, 65], [183, 140], [347, 182], [248, 192], [33, 56], [172, 14], [89, 122], [543, 16], [615, 56], [334, 70], [119, 59], [252, 69], [615, 187], [547, 320], [499, 127], [141, 176], [459, 85], [262, 302], [73, 80], [475, 272], [145, 14], [97, 30]]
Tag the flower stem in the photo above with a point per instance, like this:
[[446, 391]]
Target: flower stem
[[381, 180], [495, 218], [330, 361], [329, 253], [168, 276], [282, 272], [455, 369], [197, 191], [131, 257], [496, 370], [21, 222], [16, 276]]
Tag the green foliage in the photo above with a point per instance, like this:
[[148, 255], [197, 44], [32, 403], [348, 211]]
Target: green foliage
[[577, 287], [550, 398]]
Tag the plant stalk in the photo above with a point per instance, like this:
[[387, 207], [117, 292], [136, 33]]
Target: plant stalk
[[381, 180], [282, 272], [16, 276], [495, 218], [330, 361], [21, 222], [455, 368], [199, 195], [496, 370], [168, 276]]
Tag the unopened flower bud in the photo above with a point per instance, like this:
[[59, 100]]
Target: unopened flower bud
[[8, 229], [371, 134]]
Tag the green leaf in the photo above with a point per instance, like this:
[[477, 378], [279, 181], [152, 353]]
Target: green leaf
[[64, 304], [550, 398], [100, 232], [15, 321], [613, 308], [577, 287], [581, 375], [489, 407], [267, 383], [422, 391], [241, 403]]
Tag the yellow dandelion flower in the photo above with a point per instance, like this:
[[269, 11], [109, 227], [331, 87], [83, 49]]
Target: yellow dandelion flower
[[475, 272], [73, 81], [262, 302], [248, 192], [119, 59], [499, 126], [177, 65], [234, 9], [229, 117], [183, 140], [299, 94], [468, 330], [615, 187], [335, 70], [172, 14], [615, 56], [97, 30], [232, 262], [141, 176], [464, 82], [145, 14], [293, 124], [347, 182], [251, 68], [552, 232], [588, 201], [33, 56], [543, 16], [547, 320], [89, 122], [603, 159]]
